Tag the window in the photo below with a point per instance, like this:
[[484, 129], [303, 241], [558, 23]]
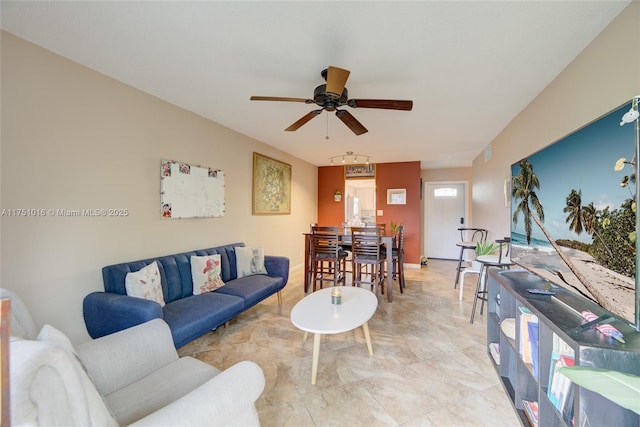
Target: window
[[445, 192]]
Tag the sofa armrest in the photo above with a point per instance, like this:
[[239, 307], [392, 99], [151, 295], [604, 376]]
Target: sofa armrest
[[226, 399], [277, 266], [106, 313], [117, 360]]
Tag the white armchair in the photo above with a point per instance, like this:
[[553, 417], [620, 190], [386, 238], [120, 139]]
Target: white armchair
[[132, 377]]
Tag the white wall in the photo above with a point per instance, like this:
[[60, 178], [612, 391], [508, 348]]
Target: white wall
[[73, 138], [603, 76]]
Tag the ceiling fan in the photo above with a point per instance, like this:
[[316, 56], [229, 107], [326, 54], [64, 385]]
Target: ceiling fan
[[333, 95]]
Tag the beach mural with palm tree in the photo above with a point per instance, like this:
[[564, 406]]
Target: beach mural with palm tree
[[573, 213]]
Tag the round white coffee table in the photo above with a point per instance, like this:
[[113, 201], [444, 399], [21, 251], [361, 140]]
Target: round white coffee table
[[316, 314]]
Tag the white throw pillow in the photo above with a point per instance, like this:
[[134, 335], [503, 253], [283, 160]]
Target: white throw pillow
[[145, 283], [205, 272], [249, 261]]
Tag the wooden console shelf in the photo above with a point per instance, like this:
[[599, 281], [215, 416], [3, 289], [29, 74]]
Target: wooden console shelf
[[526, 366]]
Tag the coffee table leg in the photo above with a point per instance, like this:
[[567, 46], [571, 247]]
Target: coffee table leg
[[367, 337], [316, 355]]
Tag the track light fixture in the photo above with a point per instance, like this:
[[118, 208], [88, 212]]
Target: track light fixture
[[350, 155]]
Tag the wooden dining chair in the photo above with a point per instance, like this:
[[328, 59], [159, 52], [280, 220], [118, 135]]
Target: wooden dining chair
[[398, 258], [327, 257], [368, 258], [381, 225]]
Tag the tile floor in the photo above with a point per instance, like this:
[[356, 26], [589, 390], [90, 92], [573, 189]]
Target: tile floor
[[429, 368]]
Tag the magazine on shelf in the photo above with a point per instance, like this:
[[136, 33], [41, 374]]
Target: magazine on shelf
[[494, 349], [531, 410]]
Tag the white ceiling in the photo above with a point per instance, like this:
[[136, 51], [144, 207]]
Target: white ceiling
[[470, 67]]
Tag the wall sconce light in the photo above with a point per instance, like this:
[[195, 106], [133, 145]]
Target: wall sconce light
[[337, 196]]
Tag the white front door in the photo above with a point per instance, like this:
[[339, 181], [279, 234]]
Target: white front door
[[445, 212]]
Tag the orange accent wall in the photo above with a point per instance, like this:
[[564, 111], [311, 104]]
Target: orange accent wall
[[330, 179], [388, 176]]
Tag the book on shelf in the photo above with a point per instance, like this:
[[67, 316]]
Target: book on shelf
[[531, 411], [526, 340], [494, 350], [561, 347], [533, 339], [560, 390]]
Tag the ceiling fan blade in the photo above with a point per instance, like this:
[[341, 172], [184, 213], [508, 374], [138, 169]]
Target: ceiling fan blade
[[280, 98], [303, 120], [387, 104], [351, 122], [336, 79]]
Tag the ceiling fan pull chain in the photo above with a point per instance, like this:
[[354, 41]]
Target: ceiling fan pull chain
[[327, 137]]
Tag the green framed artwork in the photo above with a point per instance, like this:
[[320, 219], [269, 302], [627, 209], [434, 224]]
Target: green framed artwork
[[271, 186]]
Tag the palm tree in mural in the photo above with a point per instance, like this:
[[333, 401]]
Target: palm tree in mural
[[523, 190], [574, 212], [590, 221], [582, 218]]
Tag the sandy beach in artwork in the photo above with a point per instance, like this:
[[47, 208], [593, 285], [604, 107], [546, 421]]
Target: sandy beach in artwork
[[619, 289]]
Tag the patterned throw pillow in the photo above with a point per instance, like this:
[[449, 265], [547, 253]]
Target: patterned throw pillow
[[249, 261], [205, 272], [145, 283]]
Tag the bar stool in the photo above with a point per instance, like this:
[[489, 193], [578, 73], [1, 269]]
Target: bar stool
[[327, 257], [398, 258], [502, 261], [469, 237], [367, 257]]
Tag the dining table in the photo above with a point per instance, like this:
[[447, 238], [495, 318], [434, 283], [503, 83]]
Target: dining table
[[345, 238]]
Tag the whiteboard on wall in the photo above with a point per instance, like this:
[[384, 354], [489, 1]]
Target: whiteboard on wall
[[189, 191]]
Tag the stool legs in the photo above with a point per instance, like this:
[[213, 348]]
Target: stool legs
[[481, 292], [455, 284]]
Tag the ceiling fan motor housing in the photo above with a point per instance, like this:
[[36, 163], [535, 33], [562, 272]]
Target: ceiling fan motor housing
[[328, 102]]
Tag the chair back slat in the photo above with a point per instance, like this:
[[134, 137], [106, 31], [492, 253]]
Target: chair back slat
[[365, 242], [400, 238], [325, 241]]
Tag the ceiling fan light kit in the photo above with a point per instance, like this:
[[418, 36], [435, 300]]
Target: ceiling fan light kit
[[334, 95]]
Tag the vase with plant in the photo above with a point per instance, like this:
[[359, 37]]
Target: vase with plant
[[395, 226]]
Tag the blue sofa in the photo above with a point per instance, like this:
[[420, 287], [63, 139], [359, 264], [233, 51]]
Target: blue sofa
[[188, 316]]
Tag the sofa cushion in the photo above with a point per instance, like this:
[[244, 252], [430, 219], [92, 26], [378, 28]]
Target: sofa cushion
[[250, 261], [195, 315], [159, 389], [252, 289], [205, 273], [145, 283]]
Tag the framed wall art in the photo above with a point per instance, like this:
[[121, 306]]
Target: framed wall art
[[397, 196], [271, 186], [360, 171]]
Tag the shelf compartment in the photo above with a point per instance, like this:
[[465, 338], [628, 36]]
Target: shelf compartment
[[557, 320]]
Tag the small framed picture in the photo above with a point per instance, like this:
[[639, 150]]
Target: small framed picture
[[360, 171], [397, 196]]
